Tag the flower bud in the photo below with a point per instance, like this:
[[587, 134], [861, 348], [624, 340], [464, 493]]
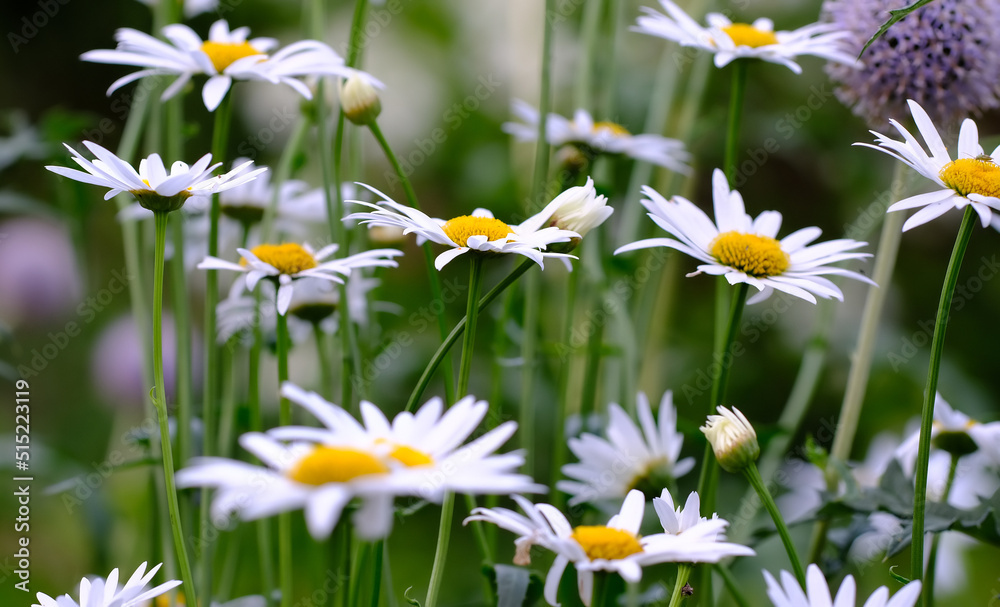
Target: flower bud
[[733, 439], [579, 209], [360, 101]]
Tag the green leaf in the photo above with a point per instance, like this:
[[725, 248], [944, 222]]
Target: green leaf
[[902, 580], [895, 16], [410, 599], [512, 585]]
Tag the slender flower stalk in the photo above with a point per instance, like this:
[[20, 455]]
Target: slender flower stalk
[[929, 577], [737, 92], [284, 419], [683, 572], [435, 279], [930, 391], [160, 400], [464, 369], [757, 482]]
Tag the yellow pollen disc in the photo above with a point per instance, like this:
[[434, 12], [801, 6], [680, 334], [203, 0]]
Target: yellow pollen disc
[[461, 228], [601, 542], [335, 465], [289, 258], [410, 457], [758, 256], [972, 176], [615, 128], [744, 34], [223, 54]]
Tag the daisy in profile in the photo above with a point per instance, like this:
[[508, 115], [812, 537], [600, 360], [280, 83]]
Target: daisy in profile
[[757, 40], [152, 185], [226, 56], [480, 232], [972, 178], [598, 137], [745, 249], [952, 432], [288, 262], [99, 592], [788, 593], [632, 456], [690, 537], [323, 469]]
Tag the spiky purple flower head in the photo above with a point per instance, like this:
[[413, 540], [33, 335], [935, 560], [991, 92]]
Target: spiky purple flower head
[[945, 56]]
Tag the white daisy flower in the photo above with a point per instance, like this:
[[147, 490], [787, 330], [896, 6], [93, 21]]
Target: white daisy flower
[[284, 263], [226, 56], [953, 432], [745, 249], [599, 137], [817, 593], [323, 469], [152, 185], [579, 209], [480, 232], [733, 439], [631, 455], [973, 178], [99, 592], [690, 537], [757, 40]]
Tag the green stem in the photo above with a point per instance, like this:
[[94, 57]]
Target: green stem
[[441, 550], [565, 372], [529, 347], [264, 529], [602, 595], [284, 519], [544, 105], [433, 274], [326, 377], [282, 173], [731, 585], [683, 572], [452, 337], [377, 562], [471, 318], [588, 395], [736, 95], [931, 574], [753, 476], [160, 400], [720, 381], [927, 415]]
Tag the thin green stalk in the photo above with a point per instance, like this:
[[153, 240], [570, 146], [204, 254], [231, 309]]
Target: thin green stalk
[[927, 415], [227, 414], [544, 105], [736, 94], [160, 399], [362, 554], [325, 368], [565, 372], [471, 318], [433, 275], [731, 585], [590, 30], [683, 572], [857, 379], [441, 549], [264, 530], [720, 380], [284, 519], [588, 395], [601, 592], [282, 173], [753, 476], [529, 348], [452, 337], [929, 577]]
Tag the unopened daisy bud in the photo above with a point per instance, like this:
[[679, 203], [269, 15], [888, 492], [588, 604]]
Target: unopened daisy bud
[[579, 209], [733, 439], [360, 101]]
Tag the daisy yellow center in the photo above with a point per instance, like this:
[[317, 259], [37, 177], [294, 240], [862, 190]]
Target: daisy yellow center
[[223, 54], [972, 176], [335, 465], [601, 542], [408, 456], [289, 258], [461, 228], [615, 128], [744, 34], [758, 256]]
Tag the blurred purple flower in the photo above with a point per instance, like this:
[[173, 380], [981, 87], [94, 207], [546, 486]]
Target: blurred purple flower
[[39, 282], [945, 56], [116, 365]]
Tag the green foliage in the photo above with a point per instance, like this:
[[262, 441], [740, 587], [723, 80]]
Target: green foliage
[[895, 15]]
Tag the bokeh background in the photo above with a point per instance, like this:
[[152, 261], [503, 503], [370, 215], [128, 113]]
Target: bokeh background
[[61, 255]]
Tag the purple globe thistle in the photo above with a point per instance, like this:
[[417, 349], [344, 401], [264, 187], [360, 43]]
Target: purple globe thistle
[[945, 56]]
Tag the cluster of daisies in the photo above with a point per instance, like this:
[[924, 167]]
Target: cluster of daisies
[[364, 466]]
